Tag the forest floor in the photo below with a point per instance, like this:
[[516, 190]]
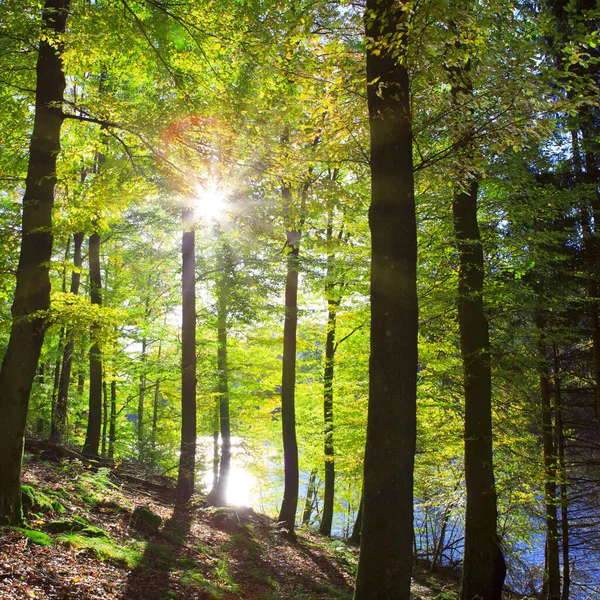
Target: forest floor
[[103, 532]]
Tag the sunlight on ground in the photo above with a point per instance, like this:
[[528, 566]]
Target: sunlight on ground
[[210, 201]]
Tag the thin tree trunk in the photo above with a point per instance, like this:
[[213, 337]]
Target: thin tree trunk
[[355, 536], [385, 561], [552, 569], [32, 293], [59, 417], [310, 498], [104, 414], [220, 492], [287, 514], [92, 436], [113, 419], [155, 404], [141, 397], [187, 457], [329, 451], [560, 446]]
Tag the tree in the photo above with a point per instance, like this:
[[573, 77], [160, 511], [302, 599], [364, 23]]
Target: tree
[[385, 562], [32, 294], [187, 457]]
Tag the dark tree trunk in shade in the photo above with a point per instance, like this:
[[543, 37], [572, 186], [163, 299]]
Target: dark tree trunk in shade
[[113, 419], [356, 530], [32, 293], [552, 566], [385, 561], [187, 457], [562, 475], [484, 568], [59, 417], [287, 514], [94, 425], [328, 375], [220, 492]]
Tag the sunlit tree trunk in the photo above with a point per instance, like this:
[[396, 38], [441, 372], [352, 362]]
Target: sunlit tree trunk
[[187, 457], [59, 416], [104, 414], [219, 496], [92, 436], [32, 293], [141, 397], [385, 561], [311, 493]]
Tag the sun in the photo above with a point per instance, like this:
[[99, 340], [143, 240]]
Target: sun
[[210, 201]]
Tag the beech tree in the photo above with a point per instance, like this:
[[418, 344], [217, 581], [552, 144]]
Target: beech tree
[[32, 293], [385, 562]]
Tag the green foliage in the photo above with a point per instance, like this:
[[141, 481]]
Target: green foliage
[[36, 537]]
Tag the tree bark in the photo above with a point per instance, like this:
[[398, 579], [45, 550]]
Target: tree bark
[[484, 568], [287, 514], [104, 414], [385, 562], [356, 530], [59, 417], [92, 436], [187, 457], [564, 499], [328, 374], [32, 293], [311, 492], [220, 492], [552, 568]]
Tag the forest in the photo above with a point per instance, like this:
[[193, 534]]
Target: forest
[[336, 260]]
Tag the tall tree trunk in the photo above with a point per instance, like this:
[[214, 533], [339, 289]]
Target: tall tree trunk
[[552, 568], [187, 457], [287, 514], [32, 293], [328, 374], [484, 568], [560, 446], [220, 492], [385, 561], [92, 436], [112, 436], [311, 492], [59, 417]]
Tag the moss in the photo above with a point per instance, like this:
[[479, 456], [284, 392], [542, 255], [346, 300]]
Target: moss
[[36, 537], [144, 518], [76, 525], [105, 549]]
